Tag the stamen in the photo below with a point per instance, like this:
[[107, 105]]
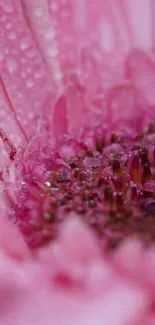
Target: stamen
[[135, 169], [114, 137], [115, 183], [116, 166], [100, 143]]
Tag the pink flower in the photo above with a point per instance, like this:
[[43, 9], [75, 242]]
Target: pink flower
[[77, 162]]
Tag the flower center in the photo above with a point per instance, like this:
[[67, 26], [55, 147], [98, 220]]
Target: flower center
[[109, 183]]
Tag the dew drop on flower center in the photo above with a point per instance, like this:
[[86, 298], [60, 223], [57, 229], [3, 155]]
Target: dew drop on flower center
[[109, 183]]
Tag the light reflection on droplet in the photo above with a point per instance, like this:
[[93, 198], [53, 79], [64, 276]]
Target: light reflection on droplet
[[52, 51], [49, 34], [11, 64], [8, 25], [24, 43], [31, 53], [54, 6], [39, 74], [29, 83], [12, 35], [38, 12]]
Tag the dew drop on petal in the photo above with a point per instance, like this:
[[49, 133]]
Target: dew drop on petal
[[24, 43], [39, 74], [52, 51], [48, 184], [23, 74], [7, 5], [12, 35], [23, 61], [30, 115], [11, 64], [29, 83], [31, 53], [107, 39], [8, 25], [38, 12], [49, 34], [54, 7]]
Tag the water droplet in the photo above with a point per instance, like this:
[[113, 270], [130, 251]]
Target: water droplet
[[39, 74], [64, 13], [24, 43], [45, 19], [54, 6], [29, 70], [11, 64], [7, 5], [29, 83], [31, 53], [23, 74], [49, 34], [107, 37], [12, 35], [52, 51], [8, 25], [19, 94], [31, 115], [58, 75], [48, 184], [23, 60], [38, 12]]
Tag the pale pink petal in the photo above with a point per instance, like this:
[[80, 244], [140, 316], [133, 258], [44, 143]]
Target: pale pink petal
[[44, 33], [60, 125], [11, 240], [84, 250], [22, 69], [122, 303], [65, 67], [141, 70], [141, 34]]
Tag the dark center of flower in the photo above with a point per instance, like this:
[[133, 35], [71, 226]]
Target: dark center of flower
[[111, 187]]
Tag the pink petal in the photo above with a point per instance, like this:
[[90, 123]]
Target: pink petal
[[84, 250], [12, 242], [61, 64], [141, 71], [60, 124], [44, 33], [141, 34], [22, 69], [121, 304]]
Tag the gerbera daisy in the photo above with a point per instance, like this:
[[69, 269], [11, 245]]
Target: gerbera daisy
[[77, 183]]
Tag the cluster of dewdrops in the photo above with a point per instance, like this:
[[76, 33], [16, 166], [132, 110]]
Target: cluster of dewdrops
[[111, 188]]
